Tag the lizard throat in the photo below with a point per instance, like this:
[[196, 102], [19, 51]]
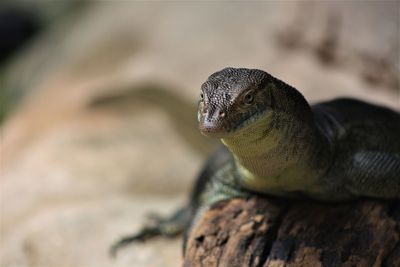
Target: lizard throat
[[253, 137], [277, 154]]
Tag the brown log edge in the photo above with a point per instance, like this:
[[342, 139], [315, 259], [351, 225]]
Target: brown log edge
[[261, 232]]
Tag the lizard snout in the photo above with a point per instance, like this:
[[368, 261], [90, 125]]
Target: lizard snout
[[211, 123]]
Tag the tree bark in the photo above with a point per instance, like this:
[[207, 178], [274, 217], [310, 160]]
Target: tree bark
[[271, 232]]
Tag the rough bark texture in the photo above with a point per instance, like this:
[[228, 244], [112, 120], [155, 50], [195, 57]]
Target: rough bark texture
[[261, 232]]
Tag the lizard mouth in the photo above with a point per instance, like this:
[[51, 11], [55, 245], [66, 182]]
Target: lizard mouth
[[250, 120], [212, 129], [227, 128]]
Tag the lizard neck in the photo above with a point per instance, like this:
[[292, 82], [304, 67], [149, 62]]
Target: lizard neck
[[279, 154]]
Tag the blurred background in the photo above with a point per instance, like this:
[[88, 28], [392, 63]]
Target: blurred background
[[98, 106]]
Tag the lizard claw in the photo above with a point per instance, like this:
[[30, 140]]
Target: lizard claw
[[158, 226], [142, 236]]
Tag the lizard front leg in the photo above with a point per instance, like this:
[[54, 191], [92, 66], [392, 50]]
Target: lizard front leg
[[222, 186]]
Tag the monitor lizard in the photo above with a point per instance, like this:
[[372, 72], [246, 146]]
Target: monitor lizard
[[275, 143]]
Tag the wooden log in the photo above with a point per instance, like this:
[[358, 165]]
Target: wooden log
[[271, 232]]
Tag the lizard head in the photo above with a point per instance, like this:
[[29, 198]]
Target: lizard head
[[232, 100]]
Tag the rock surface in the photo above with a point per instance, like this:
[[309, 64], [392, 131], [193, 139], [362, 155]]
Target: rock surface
[[266, 233], [104, 130]]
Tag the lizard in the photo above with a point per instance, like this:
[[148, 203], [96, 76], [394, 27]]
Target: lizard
[[276, 144]]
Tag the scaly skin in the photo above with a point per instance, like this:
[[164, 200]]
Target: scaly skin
[[333, 151], [277, 144]]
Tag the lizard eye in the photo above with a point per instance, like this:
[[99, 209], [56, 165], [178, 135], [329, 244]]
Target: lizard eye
[[248, 99]]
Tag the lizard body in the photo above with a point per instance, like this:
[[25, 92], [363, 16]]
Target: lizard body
[[331, 151], [277, 144]]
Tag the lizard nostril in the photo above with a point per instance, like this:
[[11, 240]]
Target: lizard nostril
[[222, 114]]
